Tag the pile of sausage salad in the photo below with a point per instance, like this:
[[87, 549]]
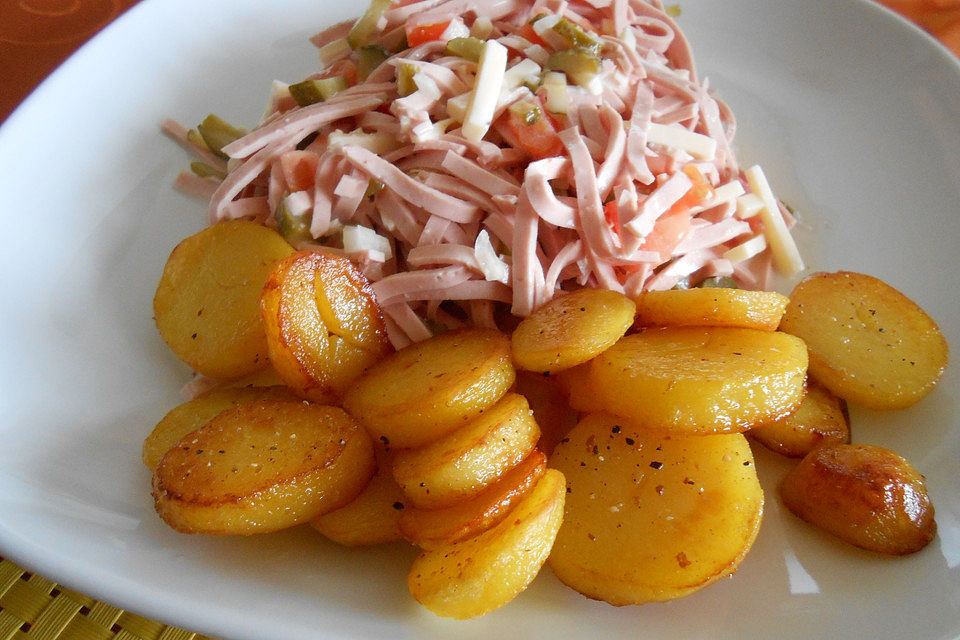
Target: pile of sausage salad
[[493, 282]]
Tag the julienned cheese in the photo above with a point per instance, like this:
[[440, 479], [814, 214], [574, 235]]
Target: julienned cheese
[[786, 257], [486, 90]]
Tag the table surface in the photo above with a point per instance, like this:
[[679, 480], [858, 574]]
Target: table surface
[[37, 35]]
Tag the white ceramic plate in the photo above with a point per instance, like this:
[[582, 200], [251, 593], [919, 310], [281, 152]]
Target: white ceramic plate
[[855, 116]]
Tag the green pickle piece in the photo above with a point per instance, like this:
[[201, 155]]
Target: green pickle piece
[[469, 48], [292, 228], [370, 57], [405, 83], [218, 133], [312, 91], [719, 282], [580, 65], [363, 28], [526, 111], [204, 170], [576, 36]]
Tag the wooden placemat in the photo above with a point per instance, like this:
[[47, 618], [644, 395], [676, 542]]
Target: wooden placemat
[[34, 608]]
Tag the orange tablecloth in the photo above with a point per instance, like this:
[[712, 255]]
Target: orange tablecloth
[[37, 35]]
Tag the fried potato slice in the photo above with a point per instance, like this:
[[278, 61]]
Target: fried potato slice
[[431, 528], [868, 342], [865, 495], [370, 518], [324, 327], [571, 329], [461, 464], [263, 466], [549, 405], [192, 415], [821, 419], [711, 307], [473, 577], [430, 388], [206, 304], [699, 380], [652, 517]]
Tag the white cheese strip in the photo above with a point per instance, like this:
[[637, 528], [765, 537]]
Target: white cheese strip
[[357, 238], [721, 195], [486, 91], [518, 73], [786, 256], [698, 145], [334, 50], [298, 203], [481, 28], [746, 250], [748, 205], [379, 143], [458, 105]]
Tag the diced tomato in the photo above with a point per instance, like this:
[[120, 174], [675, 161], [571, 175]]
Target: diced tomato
[[538, 138], [299, 169], [611, 212], [421, 33], [668, 231], [700, 192], [527, 31]]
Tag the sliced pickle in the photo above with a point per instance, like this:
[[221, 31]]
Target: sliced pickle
[[218, 133], [312, 91], [469, 48], [363, 28]]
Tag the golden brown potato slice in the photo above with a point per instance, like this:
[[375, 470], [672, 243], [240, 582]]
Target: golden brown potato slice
[[868, 343], [865, 495], [711, 307], [324, 327], [263, 466], [431, 528], [576, 384], [549, 406], [473, 577], [370, 518], [192, 415], [821, 419], [461, 464], [207, 302], [571, 329], [699, 380], [430, 388], [652, 517]]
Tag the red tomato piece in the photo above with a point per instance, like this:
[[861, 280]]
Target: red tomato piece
[[418, 34], [299, 169]]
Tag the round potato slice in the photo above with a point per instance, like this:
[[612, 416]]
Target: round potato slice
[[192, 415], [370, 518], [431, 528], [470, 578], [699, 380], [430, 388], [207, 302], [323, 326], [571, 329], [711, 307], [821, 419], [263, 466], [865, 495], [652, 517], [461, 464], [868, 343], [549, 406]]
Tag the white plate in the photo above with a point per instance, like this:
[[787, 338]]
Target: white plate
[[855, 116]]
